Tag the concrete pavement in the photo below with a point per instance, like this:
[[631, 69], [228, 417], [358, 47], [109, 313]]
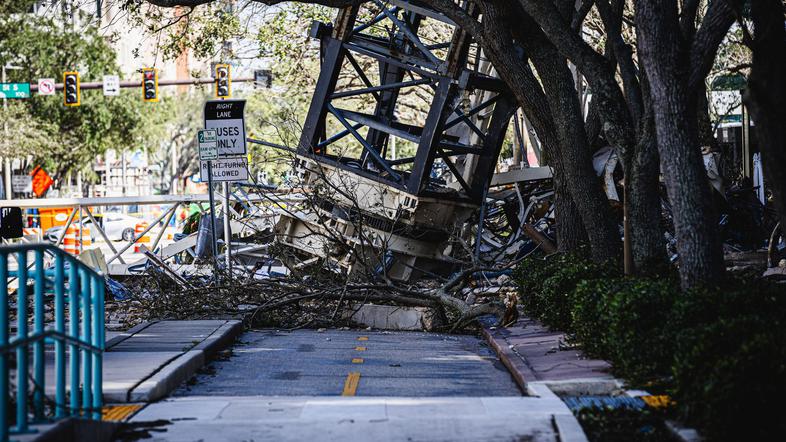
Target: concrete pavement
[[149, 361], [378, 419], [358, 385], [535, 354]]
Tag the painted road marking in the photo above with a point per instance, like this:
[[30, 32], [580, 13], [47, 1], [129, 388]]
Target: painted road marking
[[118, 413], [360, 348], [357, 360], [363, 338], [351, 384]]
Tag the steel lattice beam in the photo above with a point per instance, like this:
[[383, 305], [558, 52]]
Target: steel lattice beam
[[404, 59]]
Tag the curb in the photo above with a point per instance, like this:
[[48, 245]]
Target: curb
[[567, 426], [515, 365], [182, 367]]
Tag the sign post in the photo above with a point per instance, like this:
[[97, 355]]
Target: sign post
[[206, 139], [226, 117]]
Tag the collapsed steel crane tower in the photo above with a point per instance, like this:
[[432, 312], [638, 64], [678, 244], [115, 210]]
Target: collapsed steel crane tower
[[404, 60], [414, 201]]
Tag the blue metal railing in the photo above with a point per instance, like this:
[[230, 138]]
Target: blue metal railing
[[68, 280]]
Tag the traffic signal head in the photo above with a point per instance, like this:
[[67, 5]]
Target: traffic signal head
[[71, 92], [150, 84], [223, 81]]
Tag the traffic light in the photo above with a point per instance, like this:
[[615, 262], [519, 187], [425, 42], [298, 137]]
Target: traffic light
[[150, 84], [71, 93], [223, 81]]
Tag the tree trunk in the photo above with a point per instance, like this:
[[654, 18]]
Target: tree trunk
[[766, 95], [661, 54], [644, 212], [571, 234], [584, 186]]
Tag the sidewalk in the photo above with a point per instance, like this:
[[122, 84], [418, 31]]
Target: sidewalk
[[150, 360], [533, 353]]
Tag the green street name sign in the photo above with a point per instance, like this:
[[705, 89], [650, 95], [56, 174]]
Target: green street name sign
[[15, 90]]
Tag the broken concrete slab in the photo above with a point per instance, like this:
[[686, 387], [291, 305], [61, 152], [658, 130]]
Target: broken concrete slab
[[391, 317]]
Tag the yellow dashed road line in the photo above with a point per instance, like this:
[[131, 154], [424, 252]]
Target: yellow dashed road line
[[363, 338], [357, 360], [351, 384], [360, 348], [119, 413]]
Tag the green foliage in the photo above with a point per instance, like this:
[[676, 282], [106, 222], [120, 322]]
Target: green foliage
[[730, 361], [74, 136], [546, 285], [720, 351], [639, 337]]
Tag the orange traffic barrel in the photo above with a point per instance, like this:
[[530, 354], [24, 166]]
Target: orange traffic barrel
[[86, 239], [138, 229], [70, 241]]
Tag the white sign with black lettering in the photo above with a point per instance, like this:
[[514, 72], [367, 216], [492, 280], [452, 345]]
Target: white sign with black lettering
[[226, 117], [208, 150], [226, 169], [22, 183], [111, 85]]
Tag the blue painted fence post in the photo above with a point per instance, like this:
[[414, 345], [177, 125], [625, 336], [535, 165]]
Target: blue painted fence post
[[21, 352], [4, 342], [61, 409], [39, 364]]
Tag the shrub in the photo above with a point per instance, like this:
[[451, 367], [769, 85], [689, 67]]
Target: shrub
[[730, 361], [546, 285], [590, 315], [626, 320], [641, 341]]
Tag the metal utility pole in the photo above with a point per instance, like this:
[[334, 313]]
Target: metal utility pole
[[227, 230], [9, 194], [213, 235]]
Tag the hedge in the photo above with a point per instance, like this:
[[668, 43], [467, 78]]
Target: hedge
[[720, 352]]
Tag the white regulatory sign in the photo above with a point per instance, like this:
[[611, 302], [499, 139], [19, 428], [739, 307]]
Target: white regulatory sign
[[226, 117], [46, 86], [225, 169], [22, 183], [208, 146], [111, 85]]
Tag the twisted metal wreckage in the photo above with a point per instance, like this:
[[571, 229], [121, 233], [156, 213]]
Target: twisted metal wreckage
[[446, 213]]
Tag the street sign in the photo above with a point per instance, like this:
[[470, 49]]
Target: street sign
[[208, 145], [46, 86], [226, 169], [226, 117], [111, 85], [22, 183], [14, 90]]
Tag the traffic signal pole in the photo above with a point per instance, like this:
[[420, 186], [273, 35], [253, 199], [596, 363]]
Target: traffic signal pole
[[133, 84]]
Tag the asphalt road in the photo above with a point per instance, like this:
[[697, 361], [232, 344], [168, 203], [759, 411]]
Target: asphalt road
[[356, 385], [310, 363]]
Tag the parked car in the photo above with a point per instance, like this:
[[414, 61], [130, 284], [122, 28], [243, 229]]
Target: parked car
[[117, 226]]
